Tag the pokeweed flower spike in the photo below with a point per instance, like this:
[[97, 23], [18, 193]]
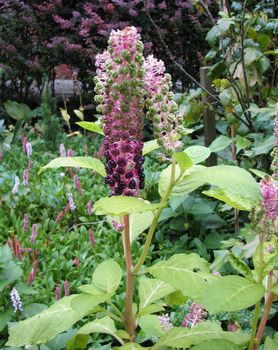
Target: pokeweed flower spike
[[120, 97], [162, 110], [16, 185], [33, 233], [28, 149], [16, 301], [165, 322], [25, 177], [197, 314], [25, 222], [269, 192], [274, 165]]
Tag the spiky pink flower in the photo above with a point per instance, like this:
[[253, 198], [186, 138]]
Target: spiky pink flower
[[120, 95], [197, 314], [90, 208], [24, 141], [118, 226], [71, 202], [25, 222], [33, 273], [91, 237], [33, 233], [165, 322], [62, 150], [274, 164], [57, 293], [16, 301], [16, 185], [59, 217], [269, 192], [28, 149], [66, 288], [25, 177], [161, 107], [77, 184]]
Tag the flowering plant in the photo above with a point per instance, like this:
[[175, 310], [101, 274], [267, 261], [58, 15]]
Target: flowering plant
[[129, 87]]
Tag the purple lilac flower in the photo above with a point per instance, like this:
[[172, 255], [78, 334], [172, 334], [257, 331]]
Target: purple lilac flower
[[165, 323], [28, 149], [57, 293], [25, 179], [196, 315], [62, 150], [71, 202], [25, 222], [120, 95], [66, 288], [16, 185], [33, 233], [269, 192], [16, 301], [77, 184], [161, 107], [90, 208]]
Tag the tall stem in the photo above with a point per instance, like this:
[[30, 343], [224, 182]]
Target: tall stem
[[130, 325], [155, 220], [258, 304]]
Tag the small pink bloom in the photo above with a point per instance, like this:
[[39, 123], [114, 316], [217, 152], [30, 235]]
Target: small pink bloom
[[25, 179], [77, 184], [76, 261], [66, 288], [25, 222], [89, 208], [59, 216], [71, 202], [118, 226], [58, 293], [91, 237], [33, 233], [62, 150]]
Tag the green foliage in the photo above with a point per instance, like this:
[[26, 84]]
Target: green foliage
[[107, 276]]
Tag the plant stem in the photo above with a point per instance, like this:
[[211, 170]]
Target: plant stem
[[258, 304], [155, 219], [130, 325]]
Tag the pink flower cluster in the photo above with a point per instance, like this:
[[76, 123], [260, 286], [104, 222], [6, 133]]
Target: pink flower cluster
[[269, 192], [197, 314], [274, 165]]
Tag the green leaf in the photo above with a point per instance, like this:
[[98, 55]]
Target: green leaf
[[183, 160], [270, 344], [270, 257], [90, 289], [264, 41], [150, 325], [150, 146], [103, 325], [5, 317], [251, 54], [265, 146], [185, 337], [198, 153], [150, 309], [79, 114], [138, 223], [107, 276], [132, 346], [52, 321], [91, 126], [186, 272], [220, 143], [240, 266], [151, 290], [259, 173], [78, 342], [217, 344], [242, 143], [18, 111], [233, 293], [123, 205], [76, 162]]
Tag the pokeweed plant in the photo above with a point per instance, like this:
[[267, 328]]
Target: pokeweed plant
[[128, 86]]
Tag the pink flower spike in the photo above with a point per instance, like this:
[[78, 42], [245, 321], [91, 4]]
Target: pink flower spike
[[71, 202], [91, 237], [269, 192], [66, 288], [25, 179], [16, 185], [90, 207], [77, 184], [34, 233], [58, 293], [62, 150], [25, 222], [197, 314], [118, 226], [165, 323], [59, 216], [28, 149]]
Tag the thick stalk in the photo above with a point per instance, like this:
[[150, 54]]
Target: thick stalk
[[264, 320], [155, 220], [258, 304], [130, 325]]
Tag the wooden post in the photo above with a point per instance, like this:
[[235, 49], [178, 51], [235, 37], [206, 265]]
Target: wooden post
[[209, 115]]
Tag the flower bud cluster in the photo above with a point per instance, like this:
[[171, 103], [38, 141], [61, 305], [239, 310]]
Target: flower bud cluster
[[197, 314], [269, 192], [120, 97], [274, 165], [162, 110]]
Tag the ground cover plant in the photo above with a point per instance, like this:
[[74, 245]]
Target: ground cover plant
[[134, 299]]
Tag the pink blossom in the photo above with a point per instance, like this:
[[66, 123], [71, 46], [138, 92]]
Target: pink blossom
[[28, 149], [25, 222], [33, 233], [58, 293], [165, 323], [197, 314], [71, 202], [66, 288], [77, 184], [62, 150], [59, 217], [25, 179], [32, 274], [91, 237], [118, 226], [89, 208], [269, 192], [16, 185]]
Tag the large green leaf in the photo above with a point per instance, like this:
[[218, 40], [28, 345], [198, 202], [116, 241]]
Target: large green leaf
[[198, 153], [107, 276], [151, 290], [233, 293], [76, 162], [183, 160], [9, 270], [220, 143], [270, 344], [103, 325], [187, 272], [91, 126], [52, 321], [123, 205], [233, 185], [138, 223], [150, 325], [217, 344], [185, 337], [18, 111]]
